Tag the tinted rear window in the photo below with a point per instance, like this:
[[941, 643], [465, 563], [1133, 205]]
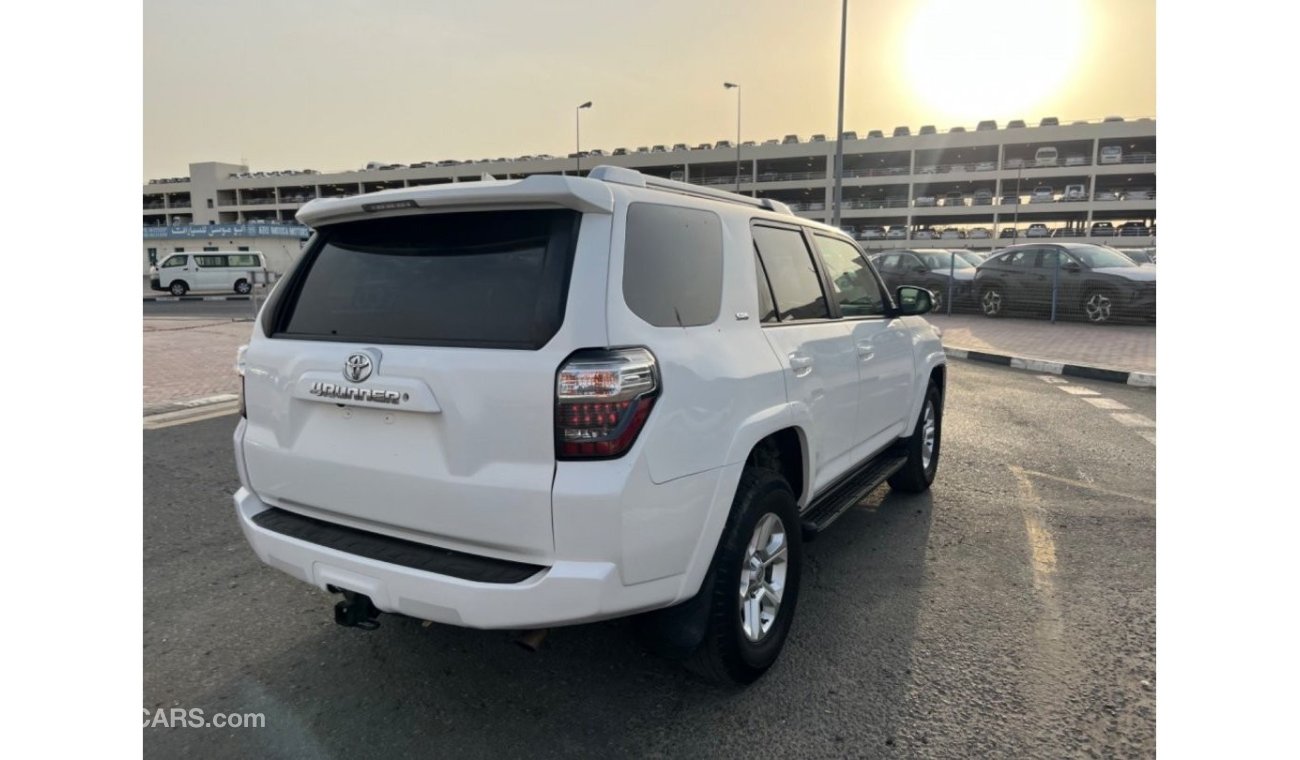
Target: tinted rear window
[[494, 279]]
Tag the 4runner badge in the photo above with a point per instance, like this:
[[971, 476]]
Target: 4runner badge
[[357, 368]]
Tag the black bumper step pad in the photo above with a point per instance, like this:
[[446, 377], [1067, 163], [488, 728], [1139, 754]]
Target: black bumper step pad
[[396, 551]]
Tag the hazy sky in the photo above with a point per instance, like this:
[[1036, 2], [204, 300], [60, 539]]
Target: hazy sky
[[332, 84]]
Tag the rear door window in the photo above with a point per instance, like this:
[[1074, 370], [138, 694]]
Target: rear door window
[[796, 285], [491, 279]]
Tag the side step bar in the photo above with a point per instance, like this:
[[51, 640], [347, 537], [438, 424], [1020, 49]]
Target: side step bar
[[850, 490]]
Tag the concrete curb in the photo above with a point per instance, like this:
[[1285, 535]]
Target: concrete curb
[[196, 298], [1140, 379], [198, 403]]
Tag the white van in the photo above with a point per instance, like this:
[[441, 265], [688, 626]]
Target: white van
[[1111, 154], [1045, 156], [210, 270]]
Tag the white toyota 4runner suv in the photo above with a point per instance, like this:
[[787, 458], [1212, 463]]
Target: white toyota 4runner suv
[[522, 404]]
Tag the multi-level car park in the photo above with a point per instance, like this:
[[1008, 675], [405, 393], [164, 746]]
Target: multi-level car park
[[987, 187]]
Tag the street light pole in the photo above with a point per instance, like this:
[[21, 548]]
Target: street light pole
[[577, 128], [839, 131], [728, 86]]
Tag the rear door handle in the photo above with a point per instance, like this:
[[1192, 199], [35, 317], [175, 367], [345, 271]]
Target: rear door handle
[[802, 364], [866, 350]]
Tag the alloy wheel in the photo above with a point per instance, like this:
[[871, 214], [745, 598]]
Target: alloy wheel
[[1097, 307], [762, 577], [928, 432], [991, 303]]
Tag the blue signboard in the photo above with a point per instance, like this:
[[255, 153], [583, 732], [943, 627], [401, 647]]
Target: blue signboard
[[206, 231]]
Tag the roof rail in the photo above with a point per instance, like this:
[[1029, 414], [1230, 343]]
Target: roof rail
[[624, 176]]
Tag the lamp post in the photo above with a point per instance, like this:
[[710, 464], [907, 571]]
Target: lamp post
[[839, 131], [577, 128], [728, 86]]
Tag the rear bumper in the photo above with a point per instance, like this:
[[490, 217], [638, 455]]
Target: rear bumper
[[563, 593]]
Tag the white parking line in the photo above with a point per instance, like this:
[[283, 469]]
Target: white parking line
[[1078, 390], [1126, 418], [1133, 419], [1101, 402]]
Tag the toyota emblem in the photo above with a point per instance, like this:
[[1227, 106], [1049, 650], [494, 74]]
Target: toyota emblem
[[357, 368]]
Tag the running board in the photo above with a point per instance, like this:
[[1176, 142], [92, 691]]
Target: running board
[[828, 507]]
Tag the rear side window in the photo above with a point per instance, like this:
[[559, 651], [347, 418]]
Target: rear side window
[[210, 261], [243, 260], [672, 265], [489, 279], [789, 266]]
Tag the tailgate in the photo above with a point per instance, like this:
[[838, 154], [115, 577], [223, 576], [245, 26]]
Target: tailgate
[[407, 384]]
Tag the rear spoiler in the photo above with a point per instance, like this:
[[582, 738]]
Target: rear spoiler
[[539, 191]]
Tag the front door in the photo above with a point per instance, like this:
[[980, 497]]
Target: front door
[[883, 345], [821, 360]]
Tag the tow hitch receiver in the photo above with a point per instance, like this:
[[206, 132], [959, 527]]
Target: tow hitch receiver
[[356, 611]]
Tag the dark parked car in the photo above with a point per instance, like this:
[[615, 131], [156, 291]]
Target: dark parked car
[[1094, 281], [902, 131], [1103, 229], [987, 124], [1133, 229], [974, 258], [927, 129], [1007, 232], [929, 268], [1140, 256], [1016, 124]]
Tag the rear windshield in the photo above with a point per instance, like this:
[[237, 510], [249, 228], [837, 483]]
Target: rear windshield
[[493, 279]]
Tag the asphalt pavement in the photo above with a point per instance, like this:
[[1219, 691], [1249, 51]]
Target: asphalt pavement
[[1009, 612], [208, 309]]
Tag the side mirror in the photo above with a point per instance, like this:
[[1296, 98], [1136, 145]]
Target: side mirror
[[1072, 266], [921, 268], [913, 301]]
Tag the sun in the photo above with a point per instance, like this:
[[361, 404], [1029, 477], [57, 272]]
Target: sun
[[998, 59]]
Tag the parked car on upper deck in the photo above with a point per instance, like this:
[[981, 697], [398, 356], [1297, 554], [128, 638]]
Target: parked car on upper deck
[[1042, 194]]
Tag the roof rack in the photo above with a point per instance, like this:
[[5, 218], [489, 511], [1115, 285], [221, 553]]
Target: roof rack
[[631, 177]]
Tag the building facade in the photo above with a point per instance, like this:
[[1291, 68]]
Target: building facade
[[983, 188]]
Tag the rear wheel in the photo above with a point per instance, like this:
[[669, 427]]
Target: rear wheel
[[178, 288], [754, 582], [992, 302], [242, 287]]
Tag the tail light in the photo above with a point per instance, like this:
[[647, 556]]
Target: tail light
[[602, 400]]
